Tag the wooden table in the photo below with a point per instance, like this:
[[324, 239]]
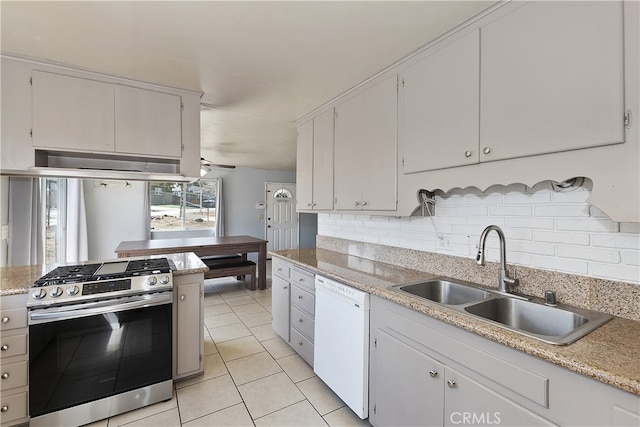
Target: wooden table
[[201, 246]]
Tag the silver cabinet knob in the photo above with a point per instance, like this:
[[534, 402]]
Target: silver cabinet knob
[[4, 408], [357, 203], [300, 343], [285, 287], [451, 383], [433, 373], [5, 320], [5, 376], [300, 296], [4, 347], [486, 150], [301, 279], [182, 298], [467, 153], [300, 320], [364, 203]]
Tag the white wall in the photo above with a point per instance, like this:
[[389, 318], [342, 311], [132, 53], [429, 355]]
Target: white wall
[[242, 188], [114, 213], [544, 229]]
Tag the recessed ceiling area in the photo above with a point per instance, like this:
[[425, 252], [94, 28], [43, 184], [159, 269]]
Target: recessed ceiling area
[[260, 65]]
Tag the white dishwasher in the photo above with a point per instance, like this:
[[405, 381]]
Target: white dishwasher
[[341, 342]]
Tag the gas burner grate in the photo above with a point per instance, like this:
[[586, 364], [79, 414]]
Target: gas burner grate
[[146, 266], [68, 274]]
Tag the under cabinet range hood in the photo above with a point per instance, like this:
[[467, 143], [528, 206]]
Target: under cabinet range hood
[[102, 166]]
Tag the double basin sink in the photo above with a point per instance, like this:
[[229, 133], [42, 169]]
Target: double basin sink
[[555, 325]]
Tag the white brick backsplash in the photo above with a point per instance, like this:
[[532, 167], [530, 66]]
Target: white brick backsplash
[[493, 199], [535, 223], [619, 271], [568, 237], [576, 196], [620, 241], [470, 210], [590, 254], [631, 258], [544, 229], [562, 211], [560, 264], [630, 227], [592, 224], [522, 198]]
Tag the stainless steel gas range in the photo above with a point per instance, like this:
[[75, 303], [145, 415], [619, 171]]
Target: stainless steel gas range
[[99, 340]]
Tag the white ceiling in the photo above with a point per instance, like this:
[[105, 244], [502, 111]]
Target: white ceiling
[[260, 65]]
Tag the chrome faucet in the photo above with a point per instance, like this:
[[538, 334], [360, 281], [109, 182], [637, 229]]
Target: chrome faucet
[[504, 281]]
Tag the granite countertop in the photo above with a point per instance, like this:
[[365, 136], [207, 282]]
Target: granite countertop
[[609, 354], [18, 280]]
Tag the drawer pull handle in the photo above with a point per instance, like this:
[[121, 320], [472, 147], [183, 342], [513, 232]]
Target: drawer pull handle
[[279, 269], [433, 373], [4, 347], [300, 320], [285, 287], [5, 375], [451, 383], [300, 343], [467, 153], [301, 279], [4, 408], [5, 320], [182, 297], [486, 150]]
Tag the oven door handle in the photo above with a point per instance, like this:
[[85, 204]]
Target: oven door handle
[[99, 307]]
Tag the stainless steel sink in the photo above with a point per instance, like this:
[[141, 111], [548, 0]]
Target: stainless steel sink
[[555, 325], [445, 292], [550, 324]]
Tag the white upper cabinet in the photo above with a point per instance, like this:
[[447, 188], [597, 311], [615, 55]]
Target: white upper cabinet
[[304, 166], [366, 147], [439, 106], [314, 168], [147, 122], [552, 79], [72, 113]]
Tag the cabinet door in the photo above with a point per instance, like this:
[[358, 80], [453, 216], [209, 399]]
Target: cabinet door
[[147, 122], [408, 385], [304, 167], [441, 111], [280, 307], [469, 402], [189, 332], [71, 113], [366, 148], [323, 160], [552, 79]]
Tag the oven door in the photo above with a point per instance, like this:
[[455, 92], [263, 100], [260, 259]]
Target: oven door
[[86, 352]]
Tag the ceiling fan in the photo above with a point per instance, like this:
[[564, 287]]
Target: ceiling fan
[[208, 166]]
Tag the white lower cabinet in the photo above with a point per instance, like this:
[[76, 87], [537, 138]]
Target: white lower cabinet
[[188, 324], [293, 306], [429, 373]]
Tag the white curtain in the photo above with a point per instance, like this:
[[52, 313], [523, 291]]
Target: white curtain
[[26, 221], [77, 243], [219, 210]]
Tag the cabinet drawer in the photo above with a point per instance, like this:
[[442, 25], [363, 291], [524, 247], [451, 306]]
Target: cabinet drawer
[[14, 345], [302, 322], [303, 279], [13, 406], [302, 345], [279, 269], [14, 318], [13, 375], [303, 299]]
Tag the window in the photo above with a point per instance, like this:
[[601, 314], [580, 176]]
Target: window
[[183, 206], [55, 218]]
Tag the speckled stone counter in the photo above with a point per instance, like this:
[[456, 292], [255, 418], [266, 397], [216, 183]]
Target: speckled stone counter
[[609, 354], [18, 280]]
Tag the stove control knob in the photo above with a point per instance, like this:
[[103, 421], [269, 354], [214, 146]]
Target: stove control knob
[[39, 293], [73, 290], [55, 292], [151, 280], [164, 280]]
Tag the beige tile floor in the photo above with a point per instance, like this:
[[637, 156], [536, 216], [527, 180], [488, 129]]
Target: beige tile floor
[[252, 377]]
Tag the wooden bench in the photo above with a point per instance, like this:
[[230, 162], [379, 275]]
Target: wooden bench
[[230, 265]]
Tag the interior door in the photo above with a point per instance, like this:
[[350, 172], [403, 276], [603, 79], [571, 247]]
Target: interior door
[[282, 219]]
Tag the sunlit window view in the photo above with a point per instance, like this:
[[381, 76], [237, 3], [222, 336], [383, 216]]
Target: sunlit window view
[[183, 206], [55, 191]]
